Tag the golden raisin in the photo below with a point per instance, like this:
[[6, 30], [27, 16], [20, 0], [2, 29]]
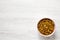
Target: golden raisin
[[46, 26]]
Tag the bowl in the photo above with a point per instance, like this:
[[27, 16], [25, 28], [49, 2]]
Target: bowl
[[46, 27]]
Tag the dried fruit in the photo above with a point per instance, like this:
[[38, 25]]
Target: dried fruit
[[46, 26]]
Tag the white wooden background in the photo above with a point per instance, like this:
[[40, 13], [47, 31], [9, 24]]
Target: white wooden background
[[18, 18]]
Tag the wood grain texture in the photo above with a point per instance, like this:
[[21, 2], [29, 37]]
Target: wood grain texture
[[18, 18]]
